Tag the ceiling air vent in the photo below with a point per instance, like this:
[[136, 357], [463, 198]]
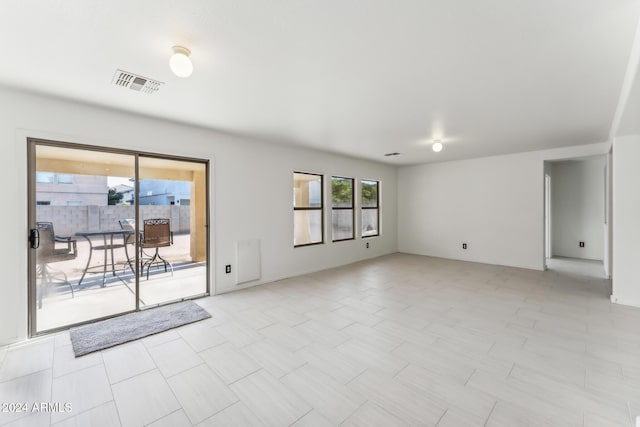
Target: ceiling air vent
[[135, 82]]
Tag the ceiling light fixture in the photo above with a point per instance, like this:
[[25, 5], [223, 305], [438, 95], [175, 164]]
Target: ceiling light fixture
[[180, 63], [437, 146]]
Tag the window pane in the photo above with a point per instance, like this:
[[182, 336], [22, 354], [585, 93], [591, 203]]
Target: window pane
[[307, 227], [162, 183], [307, 190], [369, 194], [369, 222], [342, 192], [342, 224], [66, 262], [44, 177], [65, 179]]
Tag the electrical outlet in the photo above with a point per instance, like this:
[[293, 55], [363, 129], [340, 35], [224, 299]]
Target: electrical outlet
[[582, 244], [367, 245], [464, 246], [227, 269]]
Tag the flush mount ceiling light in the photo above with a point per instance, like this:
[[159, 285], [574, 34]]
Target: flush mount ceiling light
[[437, 146], [180, 63]]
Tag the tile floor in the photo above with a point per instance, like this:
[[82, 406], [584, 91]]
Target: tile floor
[[398, 340]]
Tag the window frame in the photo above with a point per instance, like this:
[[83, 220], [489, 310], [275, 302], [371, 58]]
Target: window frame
[[377, 208], [352, 209], [310, 208], [32, 188]]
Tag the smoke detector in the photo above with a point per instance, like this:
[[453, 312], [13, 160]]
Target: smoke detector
[[135, 82]]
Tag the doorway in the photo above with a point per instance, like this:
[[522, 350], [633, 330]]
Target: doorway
[[574, 212], [112, 232]]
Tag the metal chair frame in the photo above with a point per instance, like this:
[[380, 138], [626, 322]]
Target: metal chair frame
[[48, 253], [157, 234]]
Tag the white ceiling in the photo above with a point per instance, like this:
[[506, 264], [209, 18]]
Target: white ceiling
[[361, 77]]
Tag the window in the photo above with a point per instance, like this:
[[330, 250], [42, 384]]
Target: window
[[342, 214], [308, 225], [370, 208], [64, 178], [44, 177]]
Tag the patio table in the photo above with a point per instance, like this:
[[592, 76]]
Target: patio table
[[107, 247]]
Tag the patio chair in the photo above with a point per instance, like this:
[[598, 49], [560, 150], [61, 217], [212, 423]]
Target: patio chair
[[156, 234], [53, 249], [129, 224]]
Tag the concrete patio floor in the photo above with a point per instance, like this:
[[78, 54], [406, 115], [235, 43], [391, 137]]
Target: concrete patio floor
[[91, 300]]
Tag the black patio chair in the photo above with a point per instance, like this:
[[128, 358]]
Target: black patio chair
[[52, 249]]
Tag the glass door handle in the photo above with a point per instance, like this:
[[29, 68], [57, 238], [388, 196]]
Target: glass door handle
[[34, 238]]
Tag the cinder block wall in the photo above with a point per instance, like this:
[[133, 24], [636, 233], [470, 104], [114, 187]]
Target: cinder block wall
[[67, 220]]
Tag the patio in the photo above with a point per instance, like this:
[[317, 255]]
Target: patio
[[91, 300]]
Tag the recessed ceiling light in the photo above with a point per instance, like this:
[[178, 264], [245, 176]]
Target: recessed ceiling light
[[437, 146], [180, 63]]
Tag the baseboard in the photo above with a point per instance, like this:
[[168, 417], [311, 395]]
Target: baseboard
[[625, 301]]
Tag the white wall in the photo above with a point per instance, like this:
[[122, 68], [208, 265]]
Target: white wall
[[626, 220], [577, 205], [495, 204], [250, 191]]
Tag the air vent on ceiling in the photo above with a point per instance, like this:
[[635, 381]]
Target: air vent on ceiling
[[135, 82], [391, 154]]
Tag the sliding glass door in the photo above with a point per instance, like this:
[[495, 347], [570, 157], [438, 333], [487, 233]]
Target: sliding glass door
[[172, 201], [111, 232]]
